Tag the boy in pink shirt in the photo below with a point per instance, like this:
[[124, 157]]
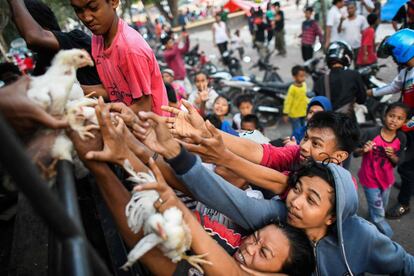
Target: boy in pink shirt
[[125, 63]]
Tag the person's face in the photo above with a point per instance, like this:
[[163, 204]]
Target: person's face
[[218, 18], [266, 254], [319, 144], [201, 82], [300, 77], [170, 44], [309, 204], [312, 110], [277, 8], [248, 126], [97, 15], [351, 10], [221, 107], [246, 108], [341, 4], [167, 78], [308, 15], [395, 118]]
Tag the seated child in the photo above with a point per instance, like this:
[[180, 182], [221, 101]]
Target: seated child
[[221, 108], [250, 122], [168, 77], [245, 106]]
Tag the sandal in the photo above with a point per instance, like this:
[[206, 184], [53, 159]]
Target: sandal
[[397, 211]]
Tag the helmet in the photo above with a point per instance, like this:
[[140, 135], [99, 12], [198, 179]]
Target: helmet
[[339, 52], [399, 45]]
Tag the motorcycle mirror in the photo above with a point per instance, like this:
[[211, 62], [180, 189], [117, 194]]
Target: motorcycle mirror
[[247, 59], [317, 47]]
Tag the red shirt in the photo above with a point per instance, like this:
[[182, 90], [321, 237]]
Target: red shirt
[[282, 159], [367, 40], [175, 59], [128, 68]]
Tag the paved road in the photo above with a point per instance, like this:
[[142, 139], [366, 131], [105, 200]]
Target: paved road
[[403, 227]]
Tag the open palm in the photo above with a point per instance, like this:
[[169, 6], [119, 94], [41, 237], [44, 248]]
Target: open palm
[[185, 124]]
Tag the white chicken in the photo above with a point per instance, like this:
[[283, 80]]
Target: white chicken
[[168, 231], [59, 94]]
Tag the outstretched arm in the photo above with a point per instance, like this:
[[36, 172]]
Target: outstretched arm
[[29, 29], [214, 151]]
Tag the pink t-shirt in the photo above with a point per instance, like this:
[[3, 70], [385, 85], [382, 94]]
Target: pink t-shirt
[[128, 68], [282, 159], [376, 170]]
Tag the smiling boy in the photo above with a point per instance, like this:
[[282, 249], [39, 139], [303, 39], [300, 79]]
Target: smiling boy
[[126, 64]]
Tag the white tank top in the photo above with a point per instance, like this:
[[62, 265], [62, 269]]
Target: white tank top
[[221, 34]]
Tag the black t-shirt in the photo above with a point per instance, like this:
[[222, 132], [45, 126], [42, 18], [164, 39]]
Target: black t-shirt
[[346, 86], [260, 31], [405, 16], [69, 40], [280, 24], [79, 39]]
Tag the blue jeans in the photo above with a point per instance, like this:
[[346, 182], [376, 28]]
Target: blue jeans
[[377, 202], [297, 124]]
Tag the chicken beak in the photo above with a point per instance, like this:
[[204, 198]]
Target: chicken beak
[[89, 62], [161, 232]]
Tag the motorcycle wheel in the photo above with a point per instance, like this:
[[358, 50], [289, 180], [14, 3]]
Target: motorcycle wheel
[[264, 110]]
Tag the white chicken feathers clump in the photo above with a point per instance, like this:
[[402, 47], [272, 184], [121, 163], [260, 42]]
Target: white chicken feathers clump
[[59, 94], [168, 231]]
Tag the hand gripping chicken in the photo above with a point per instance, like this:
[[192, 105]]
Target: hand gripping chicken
[[168, 231], [58, 93]]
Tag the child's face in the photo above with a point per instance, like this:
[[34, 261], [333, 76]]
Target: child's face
[[300, 77], [395, 118], [248, 126], [97, 15], [308, 15], [201, 82], [312, 110], [246, 108], [221, 107], [167, 78]]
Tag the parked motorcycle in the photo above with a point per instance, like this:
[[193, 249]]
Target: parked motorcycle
[[232, 63]]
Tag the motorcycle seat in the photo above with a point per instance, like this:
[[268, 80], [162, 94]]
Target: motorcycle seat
[[275, 85]]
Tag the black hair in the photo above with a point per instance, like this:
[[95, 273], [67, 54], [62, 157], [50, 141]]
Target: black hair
[[399, 105], [276, 4], [228, 102], [296, 69], [42, 14], [9, 72], [309, 9], [345, 128], [301, 260], [172, 97], [372, 18], [313, 168], [243, 99], [334, 2], [200, 73], [214, 120], [251, 118]]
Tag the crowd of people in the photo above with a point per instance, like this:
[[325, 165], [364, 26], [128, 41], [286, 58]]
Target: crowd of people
[[254, 206]]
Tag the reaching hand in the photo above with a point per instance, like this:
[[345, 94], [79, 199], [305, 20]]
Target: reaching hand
[[290, 141], [152, 130], [126, 113], [368, 146], [184, 124], [211, 150], [115, 149], [167, 195], [22, 113]]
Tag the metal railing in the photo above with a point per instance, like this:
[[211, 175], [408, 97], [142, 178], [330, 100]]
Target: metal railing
[[78, 256]]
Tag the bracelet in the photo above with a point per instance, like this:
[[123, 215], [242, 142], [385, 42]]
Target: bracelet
[[154, 157]]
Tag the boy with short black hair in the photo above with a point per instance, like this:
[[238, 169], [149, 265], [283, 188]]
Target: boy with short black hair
[[245, 105], [250, 122], [126, 64], [310, 30]]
